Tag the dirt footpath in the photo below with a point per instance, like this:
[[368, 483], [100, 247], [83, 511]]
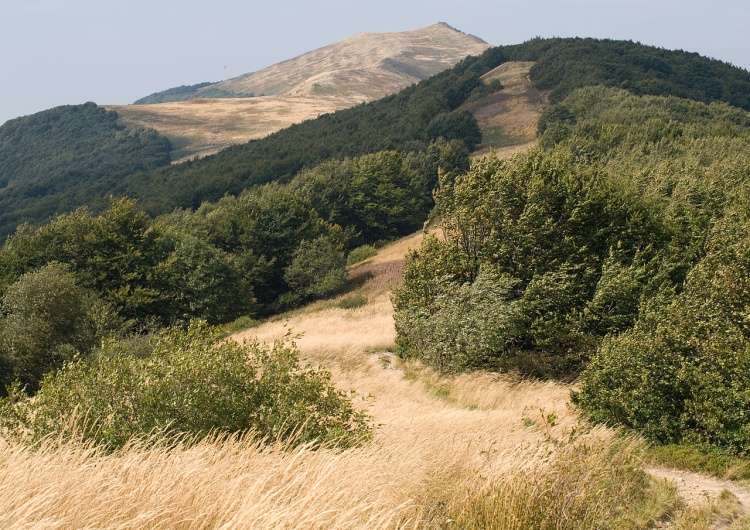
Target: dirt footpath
[[696, 489]]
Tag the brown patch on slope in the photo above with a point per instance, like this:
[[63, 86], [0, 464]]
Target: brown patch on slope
[[508, 117], [201, 127]]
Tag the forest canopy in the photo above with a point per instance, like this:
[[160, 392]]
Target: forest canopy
[[57, 160]]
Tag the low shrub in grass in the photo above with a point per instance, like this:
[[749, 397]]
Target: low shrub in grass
[[241, 324], [352, 302], [568, 486], [192, 384], [360, 254], [700, 460]]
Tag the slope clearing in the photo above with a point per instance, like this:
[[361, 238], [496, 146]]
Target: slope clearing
[[201, 127]]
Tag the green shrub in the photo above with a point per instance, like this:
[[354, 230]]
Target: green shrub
[[192, 383], [361, 254], [699, 460], [241, 324], [48, 318], [467, 325], [556, 232], [317, 269], [682, 374], [353, 301]]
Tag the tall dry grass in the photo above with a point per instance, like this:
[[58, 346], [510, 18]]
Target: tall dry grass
[[472, 451]]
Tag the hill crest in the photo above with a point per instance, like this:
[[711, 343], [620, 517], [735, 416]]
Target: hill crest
[[363, 67]]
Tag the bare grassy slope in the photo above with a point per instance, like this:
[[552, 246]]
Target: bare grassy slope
[[361, 68], [201, 127], [508, 118]]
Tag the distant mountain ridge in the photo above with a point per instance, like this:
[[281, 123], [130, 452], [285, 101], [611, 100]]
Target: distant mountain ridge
[[363, 67]]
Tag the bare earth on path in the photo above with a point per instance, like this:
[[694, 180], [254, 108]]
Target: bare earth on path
[[695, 489]]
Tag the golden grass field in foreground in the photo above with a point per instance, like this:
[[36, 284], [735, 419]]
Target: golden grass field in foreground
[[473, 451]]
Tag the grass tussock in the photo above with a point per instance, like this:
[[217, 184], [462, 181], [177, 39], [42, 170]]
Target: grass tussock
[[588, 484]]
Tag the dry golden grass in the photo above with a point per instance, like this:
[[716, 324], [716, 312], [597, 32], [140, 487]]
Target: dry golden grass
[[508, 117], [202, 127], [365, 66], [470, 451]]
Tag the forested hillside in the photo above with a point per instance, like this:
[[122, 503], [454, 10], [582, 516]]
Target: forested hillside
[[269, 249], [425, 111], [66, 157], [562, 65], [404, 122], [407, 121], [618, 249]]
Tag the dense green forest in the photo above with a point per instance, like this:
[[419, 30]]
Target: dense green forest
[[186, 92], [57, 160], [562, 65]]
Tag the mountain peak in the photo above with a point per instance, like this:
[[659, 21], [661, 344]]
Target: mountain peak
[[365, 66]]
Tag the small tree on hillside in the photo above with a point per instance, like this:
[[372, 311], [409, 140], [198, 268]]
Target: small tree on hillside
[[48, 318], [318, 269]]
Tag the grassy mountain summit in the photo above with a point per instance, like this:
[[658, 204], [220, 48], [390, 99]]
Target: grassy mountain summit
[[363, 67], [360, 68], [204, 118]]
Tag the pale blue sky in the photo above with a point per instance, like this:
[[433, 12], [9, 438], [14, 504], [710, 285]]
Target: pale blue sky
[[55, 52]]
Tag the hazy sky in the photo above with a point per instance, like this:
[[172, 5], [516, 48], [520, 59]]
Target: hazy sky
[[55, 52]]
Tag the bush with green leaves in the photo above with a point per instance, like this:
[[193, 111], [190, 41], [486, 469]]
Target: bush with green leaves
[[682, 374], [192, 384], [317, 270], [467, 326], [360, 254], [352, 302], [47, 319]]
